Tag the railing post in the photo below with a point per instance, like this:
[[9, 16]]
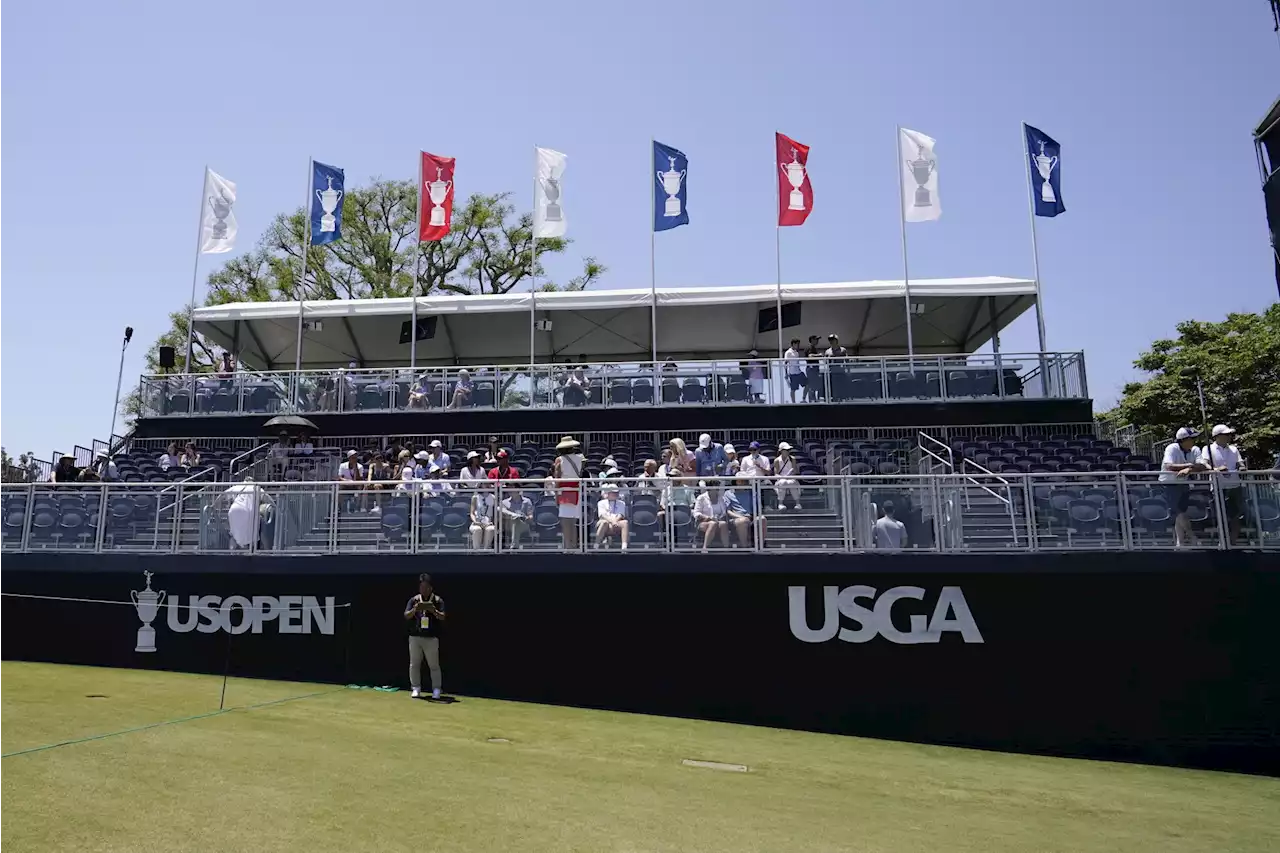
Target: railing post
[[26, 524], [98, 534], [175, 532], [1220, 510], [333, 517], [1126, 512]]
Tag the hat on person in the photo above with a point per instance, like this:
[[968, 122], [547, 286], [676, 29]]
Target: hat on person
[[353, 364], [421, 455], [352, 453], [67, 456], [784, 446], [436, 443], [754, 352], [833, 336], [502, 454], [609, 462], [612, 472], [728, 448], [755, 445], [473, 455], [1185, 433], [611, 488], [704, 440], [1222, 429], [568, 443]]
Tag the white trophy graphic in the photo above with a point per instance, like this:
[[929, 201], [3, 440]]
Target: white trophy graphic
[[1044, 165], [921, 169], [670, 182], [795, 174], [329, 199], [551, 189], [147, 603], [438, 191], [221, 206]]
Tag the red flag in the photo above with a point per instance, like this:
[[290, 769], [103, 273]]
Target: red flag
[[795, 193], [435, 196]]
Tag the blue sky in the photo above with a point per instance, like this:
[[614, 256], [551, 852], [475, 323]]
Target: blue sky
[[110, 112]]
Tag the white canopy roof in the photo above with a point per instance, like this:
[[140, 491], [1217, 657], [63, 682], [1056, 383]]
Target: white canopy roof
[[951, 315]]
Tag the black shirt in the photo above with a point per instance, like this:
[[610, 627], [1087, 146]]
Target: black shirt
[[813, 354], [432, 626]]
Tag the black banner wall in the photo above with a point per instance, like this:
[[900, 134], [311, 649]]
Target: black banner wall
[[1166, 658]]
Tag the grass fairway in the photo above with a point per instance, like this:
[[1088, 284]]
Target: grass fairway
[[354, 770]]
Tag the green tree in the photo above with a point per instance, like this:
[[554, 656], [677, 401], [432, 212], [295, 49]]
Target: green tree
[[1238, 361], [24, 469]]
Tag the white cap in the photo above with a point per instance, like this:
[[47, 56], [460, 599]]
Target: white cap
[[754, 352], [611, 472], [421, 456], [784, 446], [704, 440], [353, 365], [1185, 432], [352, 453], [609, 462], [728, 448], [473, 455], [436, 443], [1223, 429]]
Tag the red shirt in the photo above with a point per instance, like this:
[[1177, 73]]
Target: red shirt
[[496, 473]]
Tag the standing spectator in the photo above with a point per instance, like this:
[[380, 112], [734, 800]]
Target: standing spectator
[[351, 477], [741, 501], [228, 366], [190, 457], [756, 464], [437, 458], [612, 515], [423, 614], [681, 469], [793, 359], [567, 470], [472, 472], [1223, 457], [709, 458], [670, 366], [169, 459], [575, 390], [482, 521], [105, 468], [516, 515], [731, 463], [784, 470], [711, 514], [889, 533], [753, 373], [813, 370], [1181, 460], [462, 390], [503, 470], [245, 503], [837, 367]]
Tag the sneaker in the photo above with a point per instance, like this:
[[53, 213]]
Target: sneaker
[[415, 693], [796, 507], [435, 694], [782, 508], [623, 547]]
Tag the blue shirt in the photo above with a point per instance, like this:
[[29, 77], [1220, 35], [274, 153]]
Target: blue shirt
[[744, 501], [710, 461]]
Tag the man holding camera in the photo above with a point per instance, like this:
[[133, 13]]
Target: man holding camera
[[424, 613]]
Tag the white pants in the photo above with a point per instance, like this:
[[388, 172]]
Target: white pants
[[785, 487], [428, 648], [482, 536]]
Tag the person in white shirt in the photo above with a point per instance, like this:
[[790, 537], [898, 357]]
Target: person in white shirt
[[731, 463], [169, 458], [888, 532], [794, 361], [653, 481], [612, 515], [1181, 460], [408, 475], [437, 458], [711, 514], [1223, 457], [785, 482], [516, 514], [245, 501], [756, 464], [351, 474], [283, 445], [472, 472], [303, 446], [106, 468], [483, 528]]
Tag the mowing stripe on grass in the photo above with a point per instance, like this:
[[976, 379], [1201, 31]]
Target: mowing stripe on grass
[[167, 723]]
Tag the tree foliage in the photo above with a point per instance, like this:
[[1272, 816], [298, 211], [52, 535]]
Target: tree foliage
[[1238, 360], [25, 468]]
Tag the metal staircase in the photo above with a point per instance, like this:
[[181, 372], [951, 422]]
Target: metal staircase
[[981, 510]]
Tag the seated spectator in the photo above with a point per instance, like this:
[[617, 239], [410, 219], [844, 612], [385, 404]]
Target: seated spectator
[[709, 458], [681, 469], [420, 393], [503, 470], [1181, 460], [711, 514], [794, 361], [88, 475], [190, 457], [741, 501], [438, 458], [351, 475], [283, 446], [409, 480], [611, 513], [652, 481], [303, 446], [491, 454], [606, 465], [731, 463], [422, 465], [889, 533], [462, 390], [784, 469], [516, 515], [756, 464], [169, 459], [105, 468], [436, 483], [482, 526], [378, 479], [472, 472], [1223, 458]]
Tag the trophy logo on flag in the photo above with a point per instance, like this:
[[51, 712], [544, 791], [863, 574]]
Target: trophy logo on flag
[[438, 191], [670, 181], [329, 199], [795, 174], [551, 189], [1044, 165], [147, 603], [921, 168], [220, 202]]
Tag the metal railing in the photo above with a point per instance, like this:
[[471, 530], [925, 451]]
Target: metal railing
[[1059, 375], [1123, 510]]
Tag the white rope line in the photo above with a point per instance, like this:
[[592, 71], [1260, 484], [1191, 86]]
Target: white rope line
[[167, 603]]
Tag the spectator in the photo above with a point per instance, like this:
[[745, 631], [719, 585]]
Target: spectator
[[437, 457], [420, 393], [607, 465], [575, 390], [105, 468], [756, 464], [169, 459], [681, 469], [813, 370], [612, 517], [516, 516], [567, 470], [1181, 460], [491, 455], [888, 532], [670, 366], [793, 359], [1223, 457], [472, 472], [421, 465], [731, 463], [378, 479], [753, 373], [784, 470], [228, 367], [409, 480], [351, 476], [283, 445], [503, 470], [424, 613], [436, 482], [483, 528], [837, 367], [652, 482], [709, 458], [303, 446], [462, 390], [246, 502], [711, 514], [190, 457], [741, 501]]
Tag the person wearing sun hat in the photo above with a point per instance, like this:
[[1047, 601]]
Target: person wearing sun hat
[[1223, 458], [472, 471], [785, 482], [567, 471], [1181, 460]]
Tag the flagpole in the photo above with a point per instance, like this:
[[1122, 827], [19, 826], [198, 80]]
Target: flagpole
[[777, 250], [653, 270], [902, 220], [417, 261], [306, 245], [195, 271], [533, 266], [1035, 249]]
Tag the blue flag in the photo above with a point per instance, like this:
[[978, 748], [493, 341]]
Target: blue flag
[[1046, 172], [327, 196], [670, 190]]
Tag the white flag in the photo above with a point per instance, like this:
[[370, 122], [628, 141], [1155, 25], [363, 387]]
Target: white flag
[[920, 202], [548, 206], [218, 224]]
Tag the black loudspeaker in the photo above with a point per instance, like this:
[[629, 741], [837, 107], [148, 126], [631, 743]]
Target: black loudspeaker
[[426, 329], [167, 358]]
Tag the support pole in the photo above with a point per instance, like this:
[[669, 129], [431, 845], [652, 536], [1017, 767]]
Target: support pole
[[653, 270], [902, 220], [306, 246], [195, 269]]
